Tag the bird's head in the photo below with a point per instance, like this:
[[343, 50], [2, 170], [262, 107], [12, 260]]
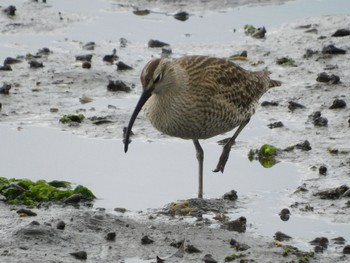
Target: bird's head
[[153, 81]]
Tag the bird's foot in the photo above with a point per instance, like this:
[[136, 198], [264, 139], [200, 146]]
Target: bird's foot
[[223, 159]]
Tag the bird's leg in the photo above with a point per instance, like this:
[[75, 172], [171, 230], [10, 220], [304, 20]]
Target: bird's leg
[[227, 148], [200, 157]]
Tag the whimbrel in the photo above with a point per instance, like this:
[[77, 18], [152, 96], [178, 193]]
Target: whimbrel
[[198, 97]]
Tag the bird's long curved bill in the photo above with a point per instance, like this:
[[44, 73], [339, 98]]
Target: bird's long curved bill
[[146, 94]]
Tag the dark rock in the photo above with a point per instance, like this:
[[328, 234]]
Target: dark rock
[[142, 12], [156, 43], [6, 68], [304, 26], [34, 223], [111, 58], [118, 85], [120, 209], [111, 236], [166, 51], [238, 225], [238, 246], [277, 124], [332, 194], [89, 46], [339, 240], [145, 240], [5, 89], [318, 249], [190, 249], [321, 122], [10, 10], [209, 259], [279, 236], [322, 170], [284, 214], [346, 249], [87, 57], [231, 195], [341, 33], [331, 79], [331, 49], [73, 199], [81, 255], [86, 64], [182, 16], [304, 146], [122, 66], [294, 105], [312, 30], [35, 64], [10, 61], [309, 53], [26, 212], [338, 104], [176, 244], [44, 51], [100, 120], [269, 103], [61, 225], [320, 241]]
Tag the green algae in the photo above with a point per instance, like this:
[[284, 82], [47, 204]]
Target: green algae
[[265, 155], [66, 119], [30, 193]]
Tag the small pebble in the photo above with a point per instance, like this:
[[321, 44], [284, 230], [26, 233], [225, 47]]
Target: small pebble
[[73, 199], [26, 212], [86, 64], [190, 249], [5, 89], [36, 64], [146, 240], [331, 49], [331, 79], [341, 32], [284, 214], [118, 85], [61, 225], [6, 68], [279, 236], [320, 241], [277, 124], [321, 122], [346, 249], [209, 259], [238, 246], [259, 33], [322, 170], [110, 236], [318, 249], [10, 10], [142, 12], [238, 225], [89, 46], [339, 240], [182, 16], [294, 105], [269, 103], [338, 104], [122, 66], [10, 61], [87, 57], [231, 195], [81, 255], [304, 146], [156, 43]]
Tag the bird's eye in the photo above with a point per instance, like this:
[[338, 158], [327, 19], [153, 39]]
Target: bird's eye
[[158, 78]]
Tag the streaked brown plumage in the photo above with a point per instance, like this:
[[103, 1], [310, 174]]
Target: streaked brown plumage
[[198, 97]]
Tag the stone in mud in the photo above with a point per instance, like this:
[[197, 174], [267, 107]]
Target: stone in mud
[[238, 246], [284, 214], [277, 124], [166, 51], [73, 199], [322, 170], [5, 89], [309, 53], [320, 241], [61, 225], [304, 146], [231, 195], [43, 51], [118, 85], [285, 61], [269, 103], [86, 57], [81, 255], [346, 250], [332, 194], [111, 58], [110, 236], [156, 43], [35, 64], [338, 104], [333, 50], [146, 240], [182, 16], [321, 122], [238, 225], [279, 236], [5, 68], [86, 64], [10, 10], [318, 249], [208, 258], [89, 45], [325, 78], [341, 32], [259, 33], [141, 12], [122, 66], [10, 61], [339, 240], [26, 212], [294, 105], [191, 249]]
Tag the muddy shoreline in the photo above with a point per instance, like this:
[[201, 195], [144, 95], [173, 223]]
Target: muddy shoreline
[[41, 96]]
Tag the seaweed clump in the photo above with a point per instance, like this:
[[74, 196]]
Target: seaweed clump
[[30, 193], [266, 155]]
